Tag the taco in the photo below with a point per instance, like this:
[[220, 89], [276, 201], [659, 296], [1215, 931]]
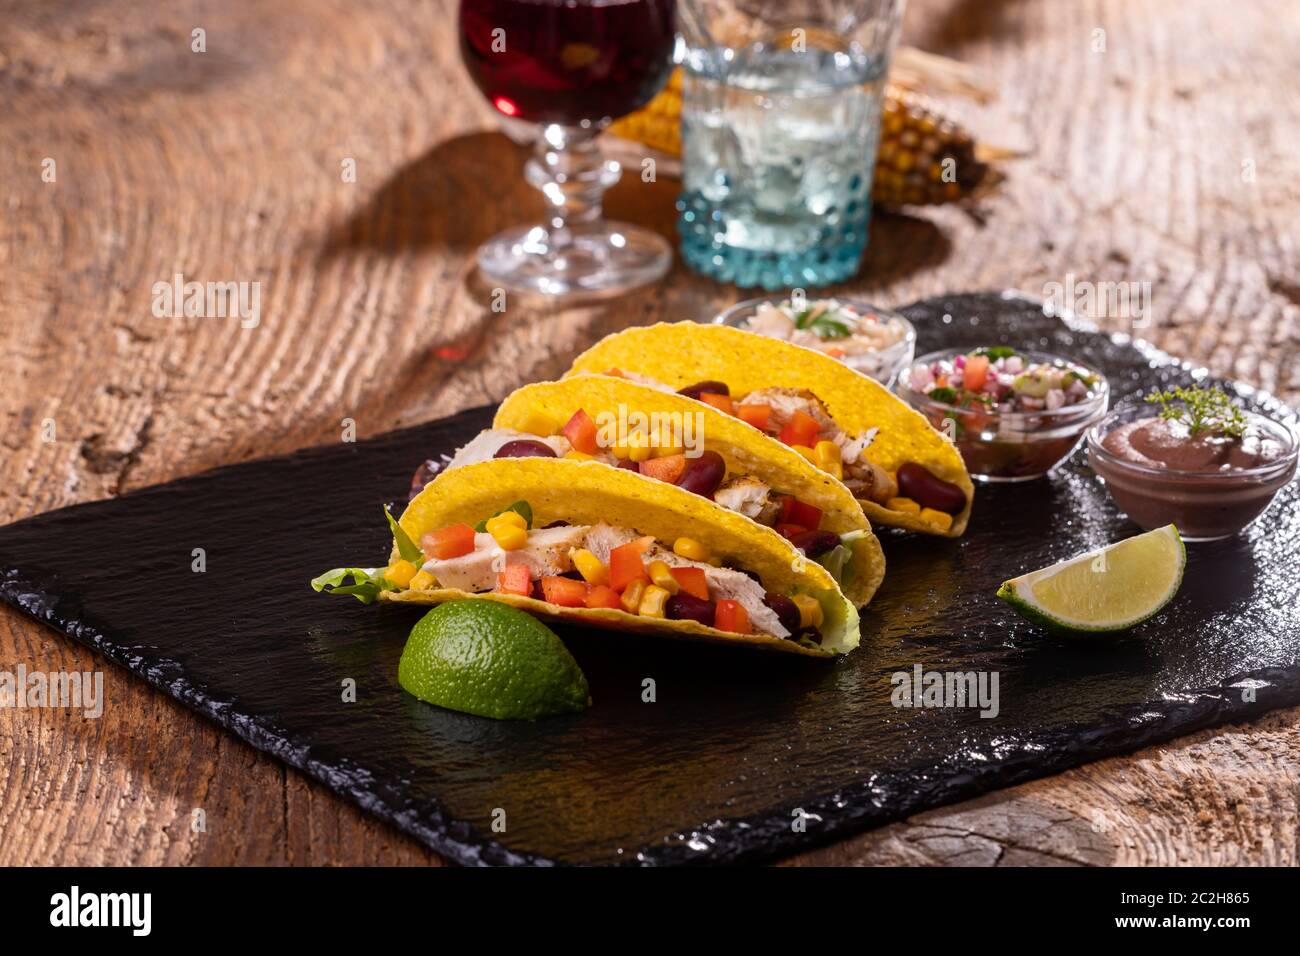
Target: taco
[[904, 472], [581, 542], [693, 446]]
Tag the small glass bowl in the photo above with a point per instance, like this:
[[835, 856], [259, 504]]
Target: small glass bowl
[[1009, 446], [881, 364], [1204, 506]]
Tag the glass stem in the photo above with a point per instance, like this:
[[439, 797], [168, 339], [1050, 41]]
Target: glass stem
[[568, 168]]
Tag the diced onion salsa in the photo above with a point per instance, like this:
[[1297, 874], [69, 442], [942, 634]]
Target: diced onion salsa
[[1001, 380], [601, 566], [1011, 417]]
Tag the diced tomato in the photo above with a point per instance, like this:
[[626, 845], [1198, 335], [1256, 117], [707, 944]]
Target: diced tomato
[[787, 530], [581, 432], [602, 596], [692, 581], [802, 429], [976, 372], [669, 468], [625, 564], [566, 592], [616, 372], [731, 616], [514, 580], [449, 542], [756, 415], [794, 511], [721, 402], [836, 352]]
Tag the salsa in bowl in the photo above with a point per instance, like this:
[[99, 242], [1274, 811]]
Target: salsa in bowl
[[1013, 414], [876, 342]]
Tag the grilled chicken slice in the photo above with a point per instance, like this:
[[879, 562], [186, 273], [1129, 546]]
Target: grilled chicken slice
[[748, 496]]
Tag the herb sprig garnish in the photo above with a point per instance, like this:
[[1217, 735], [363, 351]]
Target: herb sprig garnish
[[822, 321], [1200, 410]]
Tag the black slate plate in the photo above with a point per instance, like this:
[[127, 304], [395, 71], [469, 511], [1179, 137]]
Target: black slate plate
[[713, 770]]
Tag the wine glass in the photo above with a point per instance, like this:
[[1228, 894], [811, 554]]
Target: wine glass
[[570, 66]]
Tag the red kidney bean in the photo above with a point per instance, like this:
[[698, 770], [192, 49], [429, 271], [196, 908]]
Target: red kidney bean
[[699, 388], [929, 491], [525, 448], [627, 464], [687, 607], [787, 612], [703, 475], [815, 543]]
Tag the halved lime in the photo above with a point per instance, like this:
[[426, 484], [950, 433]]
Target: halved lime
[[489, 659], [1110, 589]]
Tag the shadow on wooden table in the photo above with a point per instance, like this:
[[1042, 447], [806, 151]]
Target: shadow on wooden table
[[470, 187], [446, 202]]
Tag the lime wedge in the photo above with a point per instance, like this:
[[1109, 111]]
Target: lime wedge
[[485, 658], [1110, 589]]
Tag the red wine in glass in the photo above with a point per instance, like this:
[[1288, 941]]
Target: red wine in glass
[[552, 61], [570, 66]]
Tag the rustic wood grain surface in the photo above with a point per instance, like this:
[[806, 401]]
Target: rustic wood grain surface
[[1160, 145]]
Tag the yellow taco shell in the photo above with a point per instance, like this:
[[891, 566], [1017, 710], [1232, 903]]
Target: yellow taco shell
[[683, 353], [745, 450], [587, 492]]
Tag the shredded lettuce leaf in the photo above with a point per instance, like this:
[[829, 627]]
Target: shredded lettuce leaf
[[408, 549], [839, 559], [365, 587]]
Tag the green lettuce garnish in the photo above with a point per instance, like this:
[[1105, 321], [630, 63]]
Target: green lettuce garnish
[[368, 582], [408, 549], [838, 561], [365, 587]]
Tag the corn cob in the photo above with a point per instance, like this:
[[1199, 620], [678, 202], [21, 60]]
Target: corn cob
[[923, 158], [912, 166]]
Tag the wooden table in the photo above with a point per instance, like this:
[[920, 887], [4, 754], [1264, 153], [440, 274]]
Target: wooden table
[[1167, 158]]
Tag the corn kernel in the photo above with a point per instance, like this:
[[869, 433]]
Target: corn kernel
[[903, 504], [639, 450], [940, 519], [691, 549], [620, 452], [589, 566], [509, 537], [653, 601], [833, 468], [421, 582], [400, 573], [810, 610], [506, 519], [631, 597], [807, 453], [666, 451], [827, 452], [538, 422], [662, 576], [575, 455]]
